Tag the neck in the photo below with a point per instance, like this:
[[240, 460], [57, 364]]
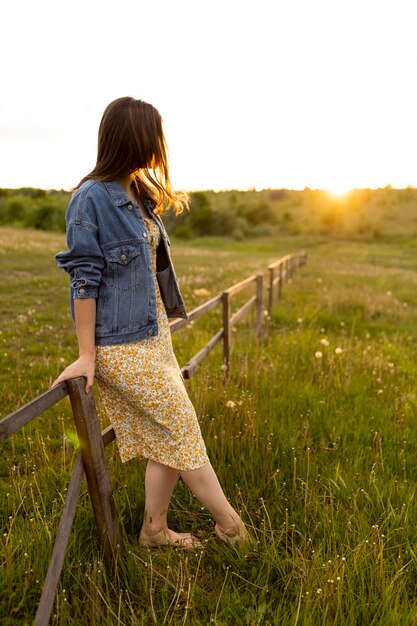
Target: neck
[[125, 182]]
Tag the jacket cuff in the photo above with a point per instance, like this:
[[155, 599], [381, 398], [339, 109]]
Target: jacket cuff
[[85, 292]]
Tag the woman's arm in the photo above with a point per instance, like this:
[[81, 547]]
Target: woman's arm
[[85, 322]]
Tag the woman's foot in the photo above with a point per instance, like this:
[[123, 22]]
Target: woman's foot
[[233, 535], [168, 537]]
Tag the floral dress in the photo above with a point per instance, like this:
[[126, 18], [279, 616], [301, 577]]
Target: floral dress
[[143, 393]]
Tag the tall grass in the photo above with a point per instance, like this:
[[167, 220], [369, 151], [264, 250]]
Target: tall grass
[[314, 441]]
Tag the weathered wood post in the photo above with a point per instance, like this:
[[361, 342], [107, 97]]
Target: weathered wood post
[[270, 290], [95, 467], [46, 602], [259, 304], [227, 334], [280, 278]]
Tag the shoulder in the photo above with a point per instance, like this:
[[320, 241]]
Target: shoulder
[[84, 202], [90, 189]]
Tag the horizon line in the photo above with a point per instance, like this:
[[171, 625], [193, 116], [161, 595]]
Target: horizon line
[[243, 190]]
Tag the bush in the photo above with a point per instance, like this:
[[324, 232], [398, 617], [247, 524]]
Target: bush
[[45, 214], [184, 232], [31, 209], [13, 210], [258, 213]]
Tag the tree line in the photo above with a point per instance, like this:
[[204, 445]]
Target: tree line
[[241, 214]]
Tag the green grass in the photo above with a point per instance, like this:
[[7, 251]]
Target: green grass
[[318, 453]]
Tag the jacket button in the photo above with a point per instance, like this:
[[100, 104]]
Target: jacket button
[[123, 257], [129, 207], [150, 268], [145, 234], [81, 290], [150, 331], [150, 301]]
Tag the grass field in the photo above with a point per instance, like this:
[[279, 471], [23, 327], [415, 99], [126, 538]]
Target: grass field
[[317, 449]]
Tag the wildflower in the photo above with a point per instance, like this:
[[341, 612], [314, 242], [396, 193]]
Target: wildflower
[[230, 404], [318, 354], [338, 350], [223, 367], [380, 391], [342, 323], [299, 320], [324, 342]]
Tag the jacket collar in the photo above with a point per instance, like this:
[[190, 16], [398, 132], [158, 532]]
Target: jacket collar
[[120, 198], [116, 192]]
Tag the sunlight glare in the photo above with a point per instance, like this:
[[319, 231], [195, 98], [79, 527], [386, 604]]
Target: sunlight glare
[[338, 190]]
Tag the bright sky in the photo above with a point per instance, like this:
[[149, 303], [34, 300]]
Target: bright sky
[[265, 93]]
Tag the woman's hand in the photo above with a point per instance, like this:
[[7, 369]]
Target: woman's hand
[[85, 316], [83, 366]]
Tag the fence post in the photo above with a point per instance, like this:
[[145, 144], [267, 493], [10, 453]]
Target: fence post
[[95, 467], [259, 304], [270, 291], [280, 272], [227, 335], [46, 603]]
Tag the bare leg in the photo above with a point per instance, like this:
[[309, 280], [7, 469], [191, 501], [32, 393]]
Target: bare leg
[[160, 481], [204, 483]]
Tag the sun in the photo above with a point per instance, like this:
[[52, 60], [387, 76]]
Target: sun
[[338, 190]]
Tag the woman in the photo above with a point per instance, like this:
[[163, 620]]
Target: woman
[[123, 288]]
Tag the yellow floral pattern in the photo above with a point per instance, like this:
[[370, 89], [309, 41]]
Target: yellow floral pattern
[[143, 393]]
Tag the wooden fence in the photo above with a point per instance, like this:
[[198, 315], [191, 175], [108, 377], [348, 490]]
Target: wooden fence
[[91, 460]]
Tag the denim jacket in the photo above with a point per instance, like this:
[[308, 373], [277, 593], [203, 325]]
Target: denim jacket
[[109, 259]]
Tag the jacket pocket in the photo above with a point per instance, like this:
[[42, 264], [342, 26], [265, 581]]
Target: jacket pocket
[[124, 266]]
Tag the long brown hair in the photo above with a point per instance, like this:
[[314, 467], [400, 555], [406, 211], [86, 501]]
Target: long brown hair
[[131, 142]]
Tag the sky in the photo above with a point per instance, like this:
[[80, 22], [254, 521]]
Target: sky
[[265, 94]]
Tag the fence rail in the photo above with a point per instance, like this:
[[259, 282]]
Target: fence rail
[[91, 460]]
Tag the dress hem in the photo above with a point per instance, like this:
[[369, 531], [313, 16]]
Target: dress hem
[[149, 458]]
